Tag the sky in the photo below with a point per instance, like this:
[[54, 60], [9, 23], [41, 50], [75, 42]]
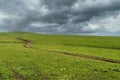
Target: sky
[[94, 17]]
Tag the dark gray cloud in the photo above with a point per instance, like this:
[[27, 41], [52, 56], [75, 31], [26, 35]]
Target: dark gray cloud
[[61, 16]]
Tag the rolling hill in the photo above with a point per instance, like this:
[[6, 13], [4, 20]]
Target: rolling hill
[[31, 56]]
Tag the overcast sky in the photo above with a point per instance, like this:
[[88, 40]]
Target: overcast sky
[[100, 17]]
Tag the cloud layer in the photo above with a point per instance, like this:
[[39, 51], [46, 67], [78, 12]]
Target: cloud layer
[[61, 16]]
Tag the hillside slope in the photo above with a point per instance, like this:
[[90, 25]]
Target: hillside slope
[[30, 56]]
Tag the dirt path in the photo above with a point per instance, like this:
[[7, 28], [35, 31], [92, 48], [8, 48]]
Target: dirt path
[[88, 57], [84, 56], [28, 44], [17, 76]]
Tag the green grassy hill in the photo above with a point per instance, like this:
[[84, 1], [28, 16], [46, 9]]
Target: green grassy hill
[[59, 57]]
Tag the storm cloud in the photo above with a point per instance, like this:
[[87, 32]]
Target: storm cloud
[[61, 16]]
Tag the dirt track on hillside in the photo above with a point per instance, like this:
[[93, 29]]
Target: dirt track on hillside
[[28, 44], [17, 76], [89, 57]]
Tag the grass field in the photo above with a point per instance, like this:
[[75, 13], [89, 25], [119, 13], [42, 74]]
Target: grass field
[[47, 59]]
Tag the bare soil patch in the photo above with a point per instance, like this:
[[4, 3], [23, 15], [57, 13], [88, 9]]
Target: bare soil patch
[[17, 76], [27, 43]]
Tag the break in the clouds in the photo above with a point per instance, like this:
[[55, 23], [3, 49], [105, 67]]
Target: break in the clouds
[[61, 16]]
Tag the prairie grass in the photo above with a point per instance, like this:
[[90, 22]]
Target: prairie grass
[[20, 63]]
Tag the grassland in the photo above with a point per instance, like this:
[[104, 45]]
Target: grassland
[[45, 61]]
